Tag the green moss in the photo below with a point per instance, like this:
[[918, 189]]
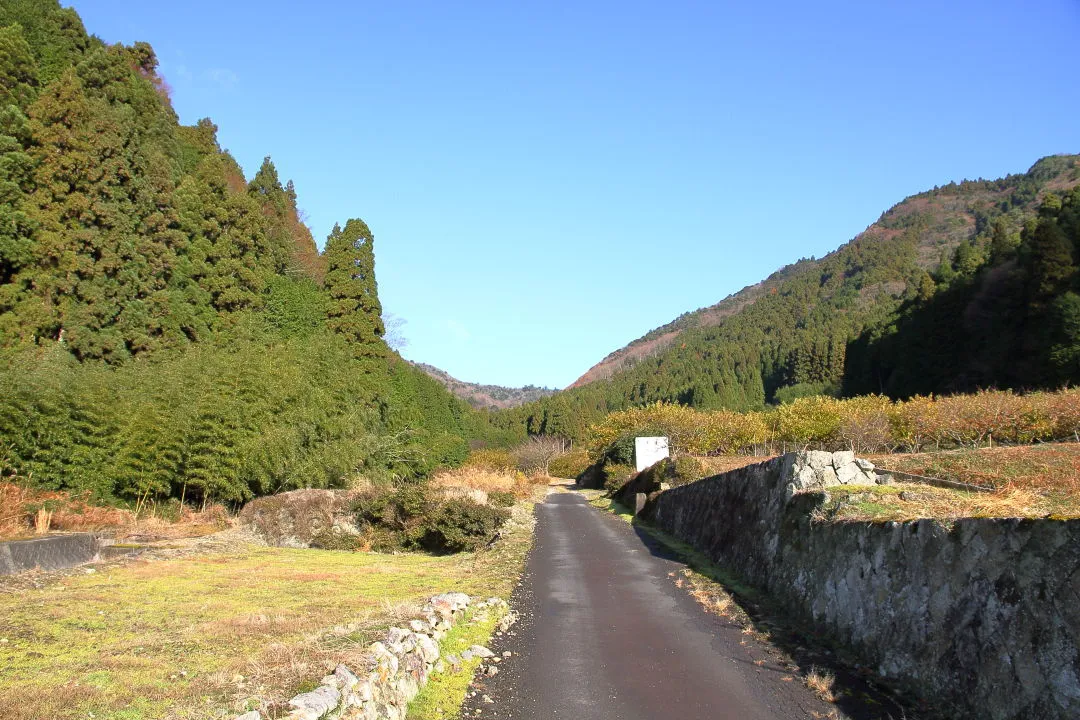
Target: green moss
[[612, 506], [441, 698]]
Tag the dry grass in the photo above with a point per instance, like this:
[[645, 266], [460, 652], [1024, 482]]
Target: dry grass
[[821, 683], [25, 512], [708, 593], [727, 463], [489, 480], [1028, 481], [1039, 468], [210, 636], [909, 501]]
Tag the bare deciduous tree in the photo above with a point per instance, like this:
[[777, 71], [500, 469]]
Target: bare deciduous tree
[[536, 455], [394, 335]]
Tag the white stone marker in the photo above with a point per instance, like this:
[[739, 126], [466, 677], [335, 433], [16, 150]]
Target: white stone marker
[[649, 451]]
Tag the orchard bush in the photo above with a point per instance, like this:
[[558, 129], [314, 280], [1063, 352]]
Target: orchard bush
[[570, 464], [728, 432], [808, 420], [865, 424], [680, 424], [491, 459]]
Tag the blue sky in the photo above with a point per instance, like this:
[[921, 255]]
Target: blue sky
[[547, 181]]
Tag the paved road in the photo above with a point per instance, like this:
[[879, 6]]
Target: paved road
[[606, 635]]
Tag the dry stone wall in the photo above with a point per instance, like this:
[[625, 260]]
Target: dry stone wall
[[980, 617], [397, 667]]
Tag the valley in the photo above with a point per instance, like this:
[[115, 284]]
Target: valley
[[869, 501]]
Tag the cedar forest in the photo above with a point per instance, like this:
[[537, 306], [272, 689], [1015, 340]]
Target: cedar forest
[[169, 328]]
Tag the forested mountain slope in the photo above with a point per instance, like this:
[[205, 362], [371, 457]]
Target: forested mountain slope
[[791, 333], [167, 326], [486, 396], [944, 217]]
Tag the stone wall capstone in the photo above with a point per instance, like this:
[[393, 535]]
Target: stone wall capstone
[[980, 617]]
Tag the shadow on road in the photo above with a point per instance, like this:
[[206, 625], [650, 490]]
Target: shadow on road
[[856, 695]]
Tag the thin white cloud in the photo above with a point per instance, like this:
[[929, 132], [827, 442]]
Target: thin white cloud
[[222, 77], [457, 330]]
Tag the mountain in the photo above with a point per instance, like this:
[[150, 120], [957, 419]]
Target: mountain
[[945, 217], [792, 333], [486, 396], [168, 327]]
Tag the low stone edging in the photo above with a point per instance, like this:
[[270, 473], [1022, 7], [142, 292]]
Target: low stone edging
[[397, 667]]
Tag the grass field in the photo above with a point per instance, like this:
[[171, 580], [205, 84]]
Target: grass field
[[1026, 481], [1049, 468], [209, 636]]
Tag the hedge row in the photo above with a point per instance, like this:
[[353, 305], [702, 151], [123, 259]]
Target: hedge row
[[871, 423]]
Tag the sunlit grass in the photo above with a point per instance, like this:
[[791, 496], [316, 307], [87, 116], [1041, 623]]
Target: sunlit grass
[[205, 637], [441, 698]]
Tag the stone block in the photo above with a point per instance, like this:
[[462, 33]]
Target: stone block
[[818, 459], [316, 704], [427, 649]]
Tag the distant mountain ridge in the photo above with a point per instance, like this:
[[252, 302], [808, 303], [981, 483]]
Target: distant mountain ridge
[[948, 215], [486, 396], [978, 249]]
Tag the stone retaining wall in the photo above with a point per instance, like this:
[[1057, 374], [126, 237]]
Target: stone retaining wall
[[980, 617], [397, 667]]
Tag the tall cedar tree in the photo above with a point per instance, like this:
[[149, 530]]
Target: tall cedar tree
[[293, 246], [354, 310], [18, 89]]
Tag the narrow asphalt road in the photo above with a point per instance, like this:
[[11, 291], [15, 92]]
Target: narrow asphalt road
[[605, 634]]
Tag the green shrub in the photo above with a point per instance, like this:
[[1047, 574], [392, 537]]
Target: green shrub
[[674, 472], [616, 475], [329, 539], [459, 525], [413, 517], [684, 469], [791, 393], [621, 451], [569, 465], [499, 498]]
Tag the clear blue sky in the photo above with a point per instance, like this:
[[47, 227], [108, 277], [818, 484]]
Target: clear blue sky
[[547, 181]]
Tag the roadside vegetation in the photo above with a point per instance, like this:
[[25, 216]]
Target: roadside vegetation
[[219, 631], [445, 691], [965, 433], [26, 512], [866, 424]]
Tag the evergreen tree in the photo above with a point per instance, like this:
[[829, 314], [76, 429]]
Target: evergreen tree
[[354, 310], [1048, 255], [18, 71], [291, 241]]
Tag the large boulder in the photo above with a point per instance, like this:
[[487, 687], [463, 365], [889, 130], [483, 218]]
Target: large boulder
[[302, 518]]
